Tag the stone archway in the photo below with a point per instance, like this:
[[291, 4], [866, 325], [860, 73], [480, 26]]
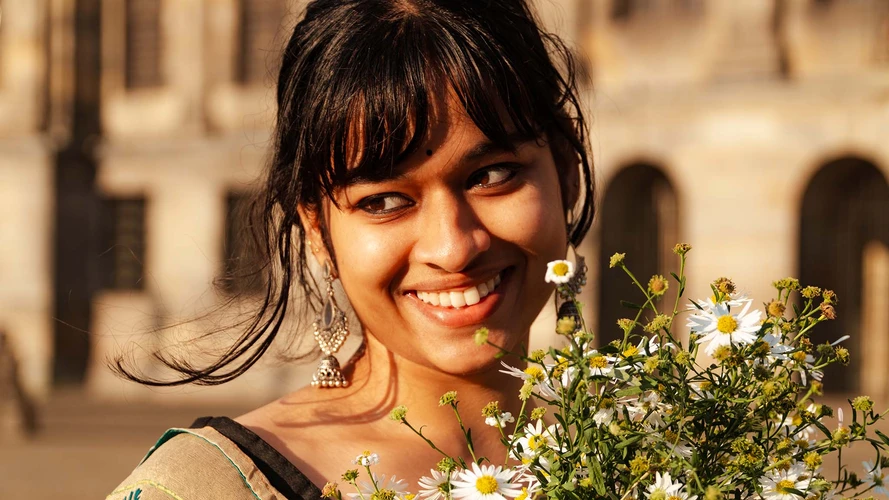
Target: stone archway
[[844, 224], [639, 215]]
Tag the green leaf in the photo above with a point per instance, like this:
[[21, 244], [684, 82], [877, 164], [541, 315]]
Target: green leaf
[[627, 392], [630, 305], [676, 277], [595, 471], [883, 437], [628, 442]]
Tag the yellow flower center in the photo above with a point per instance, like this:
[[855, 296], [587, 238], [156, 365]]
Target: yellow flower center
[[658, 494], [674, 497], [799, 356], [486, 485], [784, 485], [535, 442], [631, 351], [560, 269], [598, 361], [535, 373], [727, 324], [524, 495]]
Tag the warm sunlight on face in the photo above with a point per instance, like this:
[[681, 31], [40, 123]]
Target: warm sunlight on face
[[458, 238]]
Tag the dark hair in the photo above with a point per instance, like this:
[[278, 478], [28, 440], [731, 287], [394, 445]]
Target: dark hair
[[370, 70]]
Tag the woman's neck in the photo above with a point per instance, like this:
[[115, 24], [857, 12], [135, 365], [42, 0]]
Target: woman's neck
[[383, 380]]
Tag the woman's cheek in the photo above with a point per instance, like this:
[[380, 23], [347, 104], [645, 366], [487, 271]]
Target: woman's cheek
[[368, 256]]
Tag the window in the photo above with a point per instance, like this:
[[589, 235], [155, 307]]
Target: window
[[639, 217], [143, 43], [845, 211], [122, 257], [257, 34]]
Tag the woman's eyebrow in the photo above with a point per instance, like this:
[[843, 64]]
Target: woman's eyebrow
[[514, 141]]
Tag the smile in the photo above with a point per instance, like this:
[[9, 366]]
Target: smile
[[460, 298]]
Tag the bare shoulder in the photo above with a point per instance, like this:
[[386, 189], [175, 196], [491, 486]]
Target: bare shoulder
[[311, 428]]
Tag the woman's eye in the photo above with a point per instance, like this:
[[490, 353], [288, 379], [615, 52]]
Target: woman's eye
[[382, 204], [493, 176]]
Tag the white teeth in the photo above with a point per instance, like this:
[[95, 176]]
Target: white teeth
[[472, 296], [457, 299]]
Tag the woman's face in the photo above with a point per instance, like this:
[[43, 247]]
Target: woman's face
[[459, 238]]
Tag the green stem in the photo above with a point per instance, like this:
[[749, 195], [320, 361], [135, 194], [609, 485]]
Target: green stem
[[515, 432], [465, 434], [644, 291], [373, 480], [679, 291], [428, 441]]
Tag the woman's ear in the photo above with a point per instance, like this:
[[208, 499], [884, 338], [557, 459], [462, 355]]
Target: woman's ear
[[311, 224]]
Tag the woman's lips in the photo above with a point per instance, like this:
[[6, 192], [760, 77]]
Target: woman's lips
[[467, 315]]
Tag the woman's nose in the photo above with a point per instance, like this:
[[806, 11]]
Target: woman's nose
[[451, 234]]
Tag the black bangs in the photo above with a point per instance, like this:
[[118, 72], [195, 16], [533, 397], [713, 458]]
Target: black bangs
[[378, 91], [359, 85]]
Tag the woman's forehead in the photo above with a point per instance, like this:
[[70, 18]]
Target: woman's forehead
[[449, 130]]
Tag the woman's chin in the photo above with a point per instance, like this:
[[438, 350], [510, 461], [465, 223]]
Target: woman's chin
[[470, 359]]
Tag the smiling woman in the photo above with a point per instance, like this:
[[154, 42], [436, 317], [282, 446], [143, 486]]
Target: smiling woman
[[433, 159]]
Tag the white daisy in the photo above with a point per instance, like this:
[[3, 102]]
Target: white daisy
[[650, 408], [876, 478], [486, 482], [366, 459], [777, 483], [559, 272], [604, 416], [536, 439], [438, 486], [720, 327], [663, 487], [500, 420], [600, 364], [383, 482], [536, 374]]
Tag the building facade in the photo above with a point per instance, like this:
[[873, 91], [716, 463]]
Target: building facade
[[755, 130]]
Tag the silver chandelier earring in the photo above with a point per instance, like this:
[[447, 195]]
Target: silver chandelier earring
[[331, 330]]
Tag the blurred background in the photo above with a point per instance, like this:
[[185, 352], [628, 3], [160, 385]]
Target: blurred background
[[131, 131]]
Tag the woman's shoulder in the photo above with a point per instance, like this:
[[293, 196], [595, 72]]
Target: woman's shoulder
[[195, 464]]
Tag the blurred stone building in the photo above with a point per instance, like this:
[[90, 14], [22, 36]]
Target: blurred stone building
[[132, 130]]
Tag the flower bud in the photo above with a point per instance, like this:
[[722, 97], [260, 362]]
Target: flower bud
[[491, 409], [776, 309], [448, 398], [481, 336], [828, 311], [810, 292], [398, 413], [566, 325], [681, 248], [863, 403], [617, 260]]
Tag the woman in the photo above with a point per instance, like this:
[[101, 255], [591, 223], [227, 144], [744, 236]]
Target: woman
[[430, 157]]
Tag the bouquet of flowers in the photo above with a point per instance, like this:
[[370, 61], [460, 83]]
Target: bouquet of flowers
[[727, 413]]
